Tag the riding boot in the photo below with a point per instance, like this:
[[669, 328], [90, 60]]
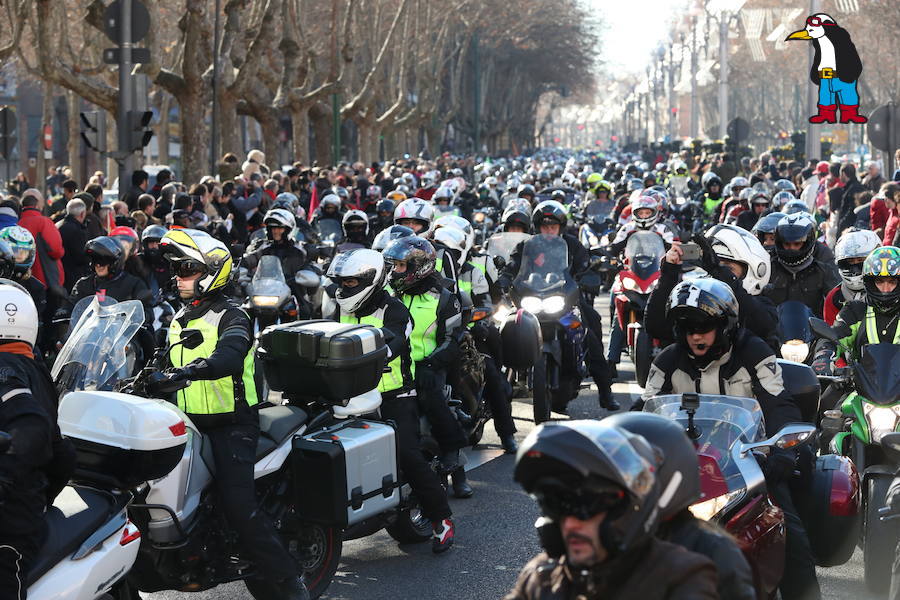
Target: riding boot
[[461, 487]]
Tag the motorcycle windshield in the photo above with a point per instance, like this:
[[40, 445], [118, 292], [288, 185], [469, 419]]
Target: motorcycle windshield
[[503, 244], [643, 251], [722, 421], [793, 321], [877, 374], [329, 230], [269, 279], [545, 265], [98, 347]]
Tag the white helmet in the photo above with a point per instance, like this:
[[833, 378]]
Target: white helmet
[[364, 265], [21, 314], [443, 193], [280, 217], [641, 202], [460, 224], [739, 245], [355, 216], [454, 239], [854, 244], [417, 209], [330, 200]]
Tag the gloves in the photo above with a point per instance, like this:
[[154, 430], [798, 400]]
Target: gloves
[[425, 377], [181, 373], [709, 260], [821, 364], [780, 466]]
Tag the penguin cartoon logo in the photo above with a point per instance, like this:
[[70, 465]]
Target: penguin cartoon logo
[[835, 69]]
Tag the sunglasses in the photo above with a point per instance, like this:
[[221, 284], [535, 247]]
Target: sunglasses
[[582, 505], [692, 327], [817, 22], [103, 261], [187, 268]]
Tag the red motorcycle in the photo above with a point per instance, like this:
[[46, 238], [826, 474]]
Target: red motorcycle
[[631, 290], [728, 431]]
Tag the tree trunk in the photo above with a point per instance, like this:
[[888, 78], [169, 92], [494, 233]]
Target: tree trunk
[[193, 136], [73, 139], [268, 125], [300, 134], [112, 141], [162, 138], [321, 123], [46, 119], [366, 143], [229, 128]]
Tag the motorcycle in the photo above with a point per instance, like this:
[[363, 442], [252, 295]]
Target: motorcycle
[[148, 456], [870, 410], [483, 221], [269, 298], [728, 432], [631, 291], [545, 288], [793, 331]]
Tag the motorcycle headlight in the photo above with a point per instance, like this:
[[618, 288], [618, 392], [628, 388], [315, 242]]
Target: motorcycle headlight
[[708, 509], [532, 304], [629, 284], [265, 301], [554, 304], [881, 419], [795, 350]]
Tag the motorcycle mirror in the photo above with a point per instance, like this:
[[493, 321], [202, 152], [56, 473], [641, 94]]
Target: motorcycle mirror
[[822, 330], [5, 442], [307, 278], [191, 338], [790, 436], [891, 444]]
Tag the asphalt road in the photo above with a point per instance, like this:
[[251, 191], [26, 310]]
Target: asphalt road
[[495, 535]]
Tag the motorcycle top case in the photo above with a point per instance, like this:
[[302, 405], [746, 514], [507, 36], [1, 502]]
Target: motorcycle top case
[[121, 440], [334, 361], [346, 473], [830, 508], [521, 340]]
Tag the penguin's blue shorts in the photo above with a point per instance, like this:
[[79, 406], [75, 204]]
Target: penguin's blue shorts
[[834, 91]]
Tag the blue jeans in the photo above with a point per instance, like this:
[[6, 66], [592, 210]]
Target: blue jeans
[[834, 91]]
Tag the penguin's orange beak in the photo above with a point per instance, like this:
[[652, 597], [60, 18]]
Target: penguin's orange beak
[[799, 35]]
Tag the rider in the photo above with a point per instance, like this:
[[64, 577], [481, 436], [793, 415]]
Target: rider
[[712, 354], [355, 225], [549, 218], [39, 461], [598, 494], [764, 230], [416, 214], [850, 252], [680, 472], [21, 242], [361, 298], [645, 212], [109, 278], [711, 196], [384, 215], [437, 324], [159, 268], [796, 273], [222, 368], [759, 205]]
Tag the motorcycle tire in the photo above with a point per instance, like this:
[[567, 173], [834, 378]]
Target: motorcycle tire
[[643, 357], [317, 550], [879, 537], [541, 394], [411, 527]]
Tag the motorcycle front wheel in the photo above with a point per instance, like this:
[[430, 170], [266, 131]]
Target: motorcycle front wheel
[[643, 357], [540, 384], [411, 526], [880, 537]]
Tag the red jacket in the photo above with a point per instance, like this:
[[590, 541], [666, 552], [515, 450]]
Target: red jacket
[[43, 227], [890, 228], [878, 214]]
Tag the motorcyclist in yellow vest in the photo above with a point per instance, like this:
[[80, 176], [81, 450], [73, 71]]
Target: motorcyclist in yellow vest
[[222, 394], [437, 324], [361, 275]]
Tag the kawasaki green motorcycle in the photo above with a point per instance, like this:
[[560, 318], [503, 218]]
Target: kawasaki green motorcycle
[[870, 410]]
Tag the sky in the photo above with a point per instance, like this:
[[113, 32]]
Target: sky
[[634, 28]]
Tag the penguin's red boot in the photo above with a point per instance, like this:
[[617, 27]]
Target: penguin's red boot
[[849, 114], [827, 114]]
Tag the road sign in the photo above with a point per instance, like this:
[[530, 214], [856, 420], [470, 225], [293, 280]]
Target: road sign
[[48, 137], [138, 56], [140, 21], [738, 130], [881, 121], [7, 131], [94, 129]]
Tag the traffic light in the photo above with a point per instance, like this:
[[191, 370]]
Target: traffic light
[[94, 129], [139, 132], [7, 131]]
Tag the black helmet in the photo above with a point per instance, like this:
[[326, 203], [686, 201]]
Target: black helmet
[[549, 211], [679, 457], [152, 233], [585, 467], [797, 227], [559, 196], [703, 305], [105, 250], [419, 255], [764, 225], [527, 190], [386, 236], [711, 181], [386, 206], [516, 217]]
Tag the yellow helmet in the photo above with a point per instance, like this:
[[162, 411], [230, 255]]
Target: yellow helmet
[[190, 250]]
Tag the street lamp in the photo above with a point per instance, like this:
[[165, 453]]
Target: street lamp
[[725, 11]]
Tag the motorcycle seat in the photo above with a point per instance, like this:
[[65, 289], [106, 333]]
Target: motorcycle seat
[[277, 423], [76, 513]]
